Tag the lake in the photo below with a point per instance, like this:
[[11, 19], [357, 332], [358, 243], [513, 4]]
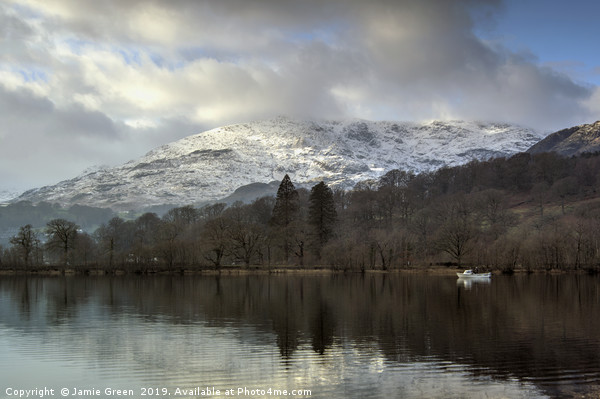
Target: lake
[[301, 335]]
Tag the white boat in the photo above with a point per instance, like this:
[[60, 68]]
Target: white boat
[[470, 274]]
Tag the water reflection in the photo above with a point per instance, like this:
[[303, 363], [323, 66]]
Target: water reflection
[[467, 284], [339, 335]]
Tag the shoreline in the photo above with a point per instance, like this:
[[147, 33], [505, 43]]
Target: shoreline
[[430, 270]]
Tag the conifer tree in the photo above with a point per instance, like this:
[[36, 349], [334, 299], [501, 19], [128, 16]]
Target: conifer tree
[[321, 213], [286, 203], [285, 212]]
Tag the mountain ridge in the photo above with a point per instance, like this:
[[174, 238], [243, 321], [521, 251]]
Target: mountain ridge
[[572, 141], [211, 165]]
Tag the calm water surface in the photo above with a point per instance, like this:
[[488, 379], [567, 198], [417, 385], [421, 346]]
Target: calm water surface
[[338, 336]]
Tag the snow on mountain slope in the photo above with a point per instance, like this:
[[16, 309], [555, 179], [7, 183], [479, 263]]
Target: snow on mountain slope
[[211, 165], [7, 195]]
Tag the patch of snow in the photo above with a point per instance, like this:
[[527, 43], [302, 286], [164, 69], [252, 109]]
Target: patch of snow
[[7, 195]]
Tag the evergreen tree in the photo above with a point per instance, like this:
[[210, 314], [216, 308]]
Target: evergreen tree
[[286, 203], [285, 212], [321, 213]]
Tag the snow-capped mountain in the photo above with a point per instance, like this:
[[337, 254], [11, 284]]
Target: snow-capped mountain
[[7, 194], [211, 165]]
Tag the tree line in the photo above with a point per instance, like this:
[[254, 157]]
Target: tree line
[[265, 232], [527, 211]]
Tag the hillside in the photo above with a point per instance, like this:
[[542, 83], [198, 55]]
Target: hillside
[[572, 141]]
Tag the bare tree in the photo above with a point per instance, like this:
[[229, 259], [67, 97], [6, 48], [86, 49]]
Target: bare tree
[[245, 240], [182, 216], [61, 237], [109, 237], [26, 241], [494, 212], [85, 249], [144, 238], [540, 193], [166, 241], [215, 239], [457, 229]]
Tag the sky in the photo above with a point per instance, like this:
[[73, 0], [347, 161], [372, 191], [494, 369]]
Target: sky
[[85, 83]]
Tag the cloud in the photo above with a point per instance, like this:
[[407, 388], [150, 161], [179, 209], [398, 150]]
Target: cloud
[[106, 80], [39, 141], [593, 104], [41, 144], [215, 62]]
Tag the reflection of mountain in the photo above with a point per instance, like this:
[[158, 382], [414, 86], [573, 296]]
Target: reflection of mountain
[[530, 328]]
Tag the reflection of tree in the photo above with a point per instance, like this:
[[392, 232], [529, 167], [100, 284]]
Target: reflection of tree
[[531, 323], [25, 302], [322, 327], [285, 324]]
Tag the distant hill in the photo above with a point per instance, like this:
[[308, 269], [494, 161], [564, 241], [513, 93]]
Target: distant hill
[[250, 192], [572, 141]]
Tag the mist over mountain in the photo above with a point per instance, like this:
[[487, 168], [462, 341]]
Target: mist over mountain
[[211, 165]]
